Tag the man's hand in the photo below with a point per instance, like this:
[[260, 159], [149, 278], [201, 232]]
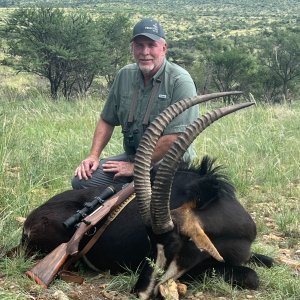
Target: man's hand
[[87, 167], [120, 168]]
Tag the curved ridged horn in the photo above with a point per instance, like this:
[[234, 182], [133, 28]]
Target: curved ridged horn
[[161, 190], [146, 148]]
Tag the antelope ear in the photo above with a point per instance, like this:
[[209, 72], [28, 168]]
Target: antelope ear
[[189, 226]]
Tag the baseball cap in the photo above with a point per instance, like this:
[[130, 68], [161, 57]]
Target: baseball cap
[[149, 28]]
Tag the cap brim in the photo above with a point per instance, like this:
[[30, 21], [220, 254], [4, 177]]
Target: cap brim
[[148, 35]]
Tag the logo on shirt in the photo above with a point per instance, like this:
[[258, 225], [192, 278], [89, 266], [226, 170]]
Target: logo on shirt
[[161, 96]]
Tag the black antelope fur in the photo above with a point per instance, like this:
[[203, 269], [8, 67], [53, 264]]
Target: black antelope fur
[[202, 190]]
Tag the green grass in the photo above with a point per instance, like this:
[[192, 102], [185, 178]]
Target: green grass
[[41, 143]]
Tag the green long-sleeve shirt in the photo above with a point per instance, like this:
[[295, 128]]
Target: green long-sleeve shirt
[[176, 84]]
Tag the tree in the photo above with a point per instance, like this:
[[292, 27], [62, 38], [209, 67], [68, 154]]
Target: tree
[[67, 49], [181, 57], [267, 85], [280, 53], [30, 43], [232, 69], [53, 45], [201, 73], [116, 34]]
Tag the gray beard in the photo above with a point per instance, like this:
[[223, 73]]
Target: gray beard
[[146, 70]]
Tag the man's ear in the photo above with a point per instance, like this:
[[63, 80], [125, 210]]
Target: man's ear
[[165, 48]]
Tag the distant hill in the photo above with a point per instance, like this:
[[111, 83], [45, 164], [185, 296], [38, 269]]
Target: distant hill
[[187, 19], [179, 7]]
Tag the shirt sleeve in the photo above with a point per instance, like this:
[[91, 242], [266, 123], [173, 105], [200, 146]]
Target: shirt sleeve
[[110, 110], [184, 88]]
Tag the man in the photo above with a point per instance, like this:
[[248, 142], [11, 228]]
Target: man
[[139, 93]]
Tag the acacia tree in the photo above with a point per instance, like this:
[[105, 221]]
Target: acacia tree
[[29, 38], [231, 69], [67, 49], [267, 86], [116, 36], [280, 53], [85, 55]]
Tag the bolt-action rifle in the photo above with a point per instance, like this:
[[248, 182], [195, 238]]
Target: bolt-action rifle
[[88, 208], [46, 269]]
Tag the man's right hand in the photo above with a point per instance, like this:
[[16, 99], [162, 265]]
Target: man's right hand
[[87, 167]]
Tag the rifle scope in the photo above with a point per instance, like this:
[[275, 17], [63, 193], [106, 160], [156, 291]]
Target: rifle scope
[[89, 207]]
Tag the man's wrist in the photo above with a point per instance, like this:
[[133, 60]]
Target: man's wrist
[[94, 156]]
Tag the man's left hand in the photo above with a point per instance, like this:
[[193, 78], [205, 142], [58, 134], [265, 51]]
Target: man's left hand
[[120, 168]]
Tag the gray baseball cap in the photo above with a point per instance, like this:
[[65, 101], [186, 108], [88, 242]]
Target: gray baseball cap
[[149, 28]]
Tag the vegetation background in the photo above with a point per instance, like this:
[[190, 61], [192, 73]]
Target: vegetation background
[[44, 137]]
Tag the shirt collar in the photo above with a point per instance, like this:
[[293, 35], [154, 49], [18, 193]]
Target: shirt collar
[[160, 71]]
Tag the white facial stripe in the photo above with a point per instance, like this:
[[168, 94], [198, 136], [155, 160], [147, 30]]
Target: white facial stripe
[[159, 265], [161, 259], [172, 272]]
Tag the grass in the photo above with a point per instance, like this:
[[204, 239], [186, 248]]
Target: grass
[[41, 143]]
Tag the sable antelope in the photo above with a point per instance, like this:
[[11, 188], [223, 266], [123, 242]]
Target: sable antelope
[[187, 220]]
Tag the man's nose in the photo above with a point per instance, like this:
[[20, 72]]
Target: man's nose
[[146, 50]]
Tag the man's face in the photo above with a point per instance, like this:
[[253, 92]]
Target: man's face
[[148, 54]]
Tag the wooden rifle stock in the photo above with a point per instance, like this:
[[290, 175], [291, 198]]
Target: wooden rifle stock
[[46, 269]]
